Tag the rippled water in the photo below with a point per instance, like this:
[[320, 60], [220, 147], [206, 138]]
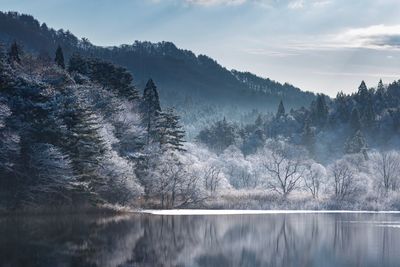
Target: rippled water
[[234, 240]]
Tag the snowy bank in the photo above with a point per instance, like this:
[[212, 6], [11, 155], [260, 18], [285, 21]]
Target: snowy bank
[[179, 212]]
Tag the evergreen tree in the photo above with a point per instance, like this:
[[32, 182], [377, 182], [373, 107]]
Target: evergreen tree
[[170, 134], [259, 121], [355, 123], [342, 107], [319, 111], [59, 59], [82, 142], [380, 87], [368, 114], [78, 64], [150, 108], [110, 76], [219, 136], [5, 70], [308, 137], [362, 93], [356, 144], [14, 55], [281, 110]]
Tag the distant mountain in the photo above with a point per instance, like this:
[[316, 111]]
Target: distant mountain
[[181, 76]]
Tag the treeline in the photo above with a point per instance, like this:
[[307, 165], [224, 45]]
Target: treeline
[[328, 128], [79, 133]]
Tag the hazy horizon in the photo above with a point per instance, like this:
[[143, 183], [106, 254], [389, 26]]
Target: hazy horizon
[[318, 45]]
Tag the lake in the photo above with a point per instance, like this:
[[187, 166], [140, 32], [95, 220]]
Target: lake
[[201, 240]]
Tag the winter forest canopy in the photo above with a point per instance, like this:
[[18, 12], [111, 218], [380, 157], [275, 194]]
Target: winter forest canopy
[[78, 130]]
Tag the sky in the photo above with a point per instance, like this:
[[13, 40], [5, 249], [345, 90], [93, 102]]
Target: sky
[[318, 45]]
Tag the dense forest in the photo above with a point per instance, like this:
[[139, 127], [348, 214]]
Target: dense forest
[[77, 131]]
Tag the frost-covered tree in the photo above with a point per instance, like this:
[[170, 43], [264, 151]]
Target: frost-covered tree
[[314, 178], [344, 180], [239, 170], [284, 166], [171, 184], [356, 144], [52, 181], [385, 167], [82, 140], [169, 132]]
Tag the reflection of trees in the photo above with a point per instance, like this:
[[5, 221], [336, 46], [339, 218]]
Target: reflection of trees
[[143, 240], [67, 241]]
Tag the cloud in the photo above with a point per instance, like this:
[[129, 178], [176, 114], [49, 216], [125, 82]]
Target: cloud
[[298, 4], [374, 37], [216, 2], [291, 4]]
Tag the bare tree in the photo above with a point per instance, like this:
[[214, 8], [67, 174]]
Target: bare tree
[[386, 166], [284, 166], [173, 184], [313, 177], [343, 179], [212, 178]]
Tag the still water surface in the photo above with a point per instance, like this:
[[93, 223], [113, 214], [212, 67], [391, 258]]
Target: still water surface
[[228, 240]]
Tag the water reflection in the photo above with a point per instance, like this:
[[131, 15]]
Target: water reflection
[[240, 240]]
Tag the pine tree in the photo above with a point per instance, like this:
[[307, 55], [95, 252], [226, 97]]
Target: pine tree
[[78, 64], [356, 143], [150, 108], [259, 121], [308, 137], [14, 53], [5, 70], [59, 59], [82, 142], [380, 87], [170, 134], [281, 110], [342, 107], [320, 111], [355, 123]]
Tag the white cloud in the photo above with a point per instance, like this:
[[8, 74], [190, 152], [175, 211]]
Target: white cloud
[[216, 2], [374, 37], [297, 4], [291, 4]]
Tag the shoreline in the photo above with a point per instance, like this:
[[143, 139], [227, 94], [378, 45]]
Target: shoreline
[[193, 212], [102, 211]]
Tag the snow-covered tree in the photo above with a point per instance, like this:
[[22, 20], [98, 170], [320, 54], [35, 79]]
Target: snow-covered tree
[[345, 182], [284, 166], [314, 178], [385, 167], [169, 132]]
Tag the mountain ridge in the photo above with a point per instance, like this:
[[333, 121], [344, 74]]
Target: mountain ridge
[[179, 73]]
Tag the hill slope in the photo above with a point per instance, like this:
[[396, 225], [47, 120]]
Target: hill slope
[[180, 74]]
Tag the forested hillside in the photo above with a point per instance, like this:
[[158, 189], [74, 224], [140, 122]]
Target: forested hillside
[[193, 84]]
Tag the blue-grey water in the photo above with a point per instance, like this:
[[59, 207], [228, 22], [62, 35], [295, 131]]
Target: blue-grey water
[[235, 240]]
